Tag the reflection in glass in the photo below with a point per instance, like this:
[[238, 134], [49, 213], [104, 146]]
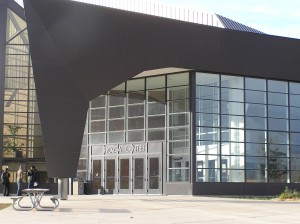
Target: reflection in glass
[[156, 134], [211, 120], [208, 161], [179, 119], [256, 163], [97, 174], [233, 162], [116, 112], [256, 136], [156, 108], [207, 79], [156, 121], [116, 98], [255, 97], [294, 100], [257, 110], [295, 163], [98, 126], [294, 113], [232, 95], [136, 123], [124, 174], [207, 92], [178, 134], [207, 106], [277, 86], [156, 95], [207, 175], [116, 137], [255, 84], [278, 138], [98, 114], [176, 93], [136, 97], [178, 106], [278, 124], [179, 147], [295, 151], [277, 111], [139, 173], [295, 176], [153, 173], [235, 135], [256, 176], [256, 123], [229, 175], [232, 121], [116, 125], [207, 147], [136, 110], [232, 148], [278, 99], [232, 108], [110, 175], [178, 175], [278, 150], [208, 134], [232, 81], [253, 149], [98, 102], [136, 136], [294, 88]]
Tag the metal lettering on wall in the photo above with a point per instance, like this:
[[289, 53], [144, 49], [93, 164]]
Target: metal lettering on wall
[[128, 148]]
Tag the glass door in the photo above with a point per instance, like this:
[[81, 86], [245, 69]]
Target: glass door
[[139, 175], [97, 177], [154, 174], [110, 177], [125, 180]]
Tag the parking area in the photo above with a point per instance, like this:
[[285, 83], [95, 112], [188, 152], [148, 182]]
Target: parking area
[[157, 209]]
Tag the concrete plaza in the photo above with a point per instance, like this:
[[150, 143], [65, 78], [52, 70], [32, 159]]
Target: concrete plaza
[[85, 209]]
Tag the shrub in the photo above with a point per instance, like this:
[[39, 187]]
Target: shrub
[[289, 194]]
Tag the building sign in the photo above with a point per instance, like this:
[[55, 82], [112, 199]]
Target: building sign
[[125, 148]]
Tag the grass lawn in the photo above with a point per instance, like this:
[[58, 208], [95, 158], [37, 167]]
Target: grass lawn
[[2, 206]]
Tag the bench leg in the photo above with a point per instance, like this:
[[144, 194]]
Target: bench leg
[[48, 208], [20, 208]]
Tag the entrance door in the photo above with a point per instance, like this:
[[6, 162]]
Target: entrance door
[[154, 174], [139, 180], [110, 176], [97, 176], [125, 175]]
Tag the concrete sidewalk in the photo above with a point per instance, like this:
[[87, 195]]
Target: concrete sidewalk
[[86, 209]]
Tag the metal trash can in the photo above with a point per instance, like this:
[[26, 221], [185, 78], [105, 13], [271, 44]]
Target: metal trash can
[[63, 188]]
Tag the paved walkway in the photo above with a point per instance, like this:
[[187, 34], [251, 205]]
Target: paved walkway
[[86, 209]]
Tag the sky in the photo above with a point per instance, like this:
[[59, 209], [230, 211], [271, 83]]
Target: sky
[[275, 17]]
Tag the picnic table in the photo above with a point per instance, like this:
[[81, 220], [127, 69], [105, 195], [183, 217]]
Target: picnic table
[[35, 195]]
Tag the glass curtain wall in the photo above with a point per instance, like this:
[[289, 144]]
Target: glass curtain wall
[[22, 136], [247, 129], [152, 109]]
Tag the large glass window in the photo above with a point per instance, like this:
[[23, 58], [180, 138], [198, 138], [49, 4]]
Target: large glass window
[[251, 126]]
